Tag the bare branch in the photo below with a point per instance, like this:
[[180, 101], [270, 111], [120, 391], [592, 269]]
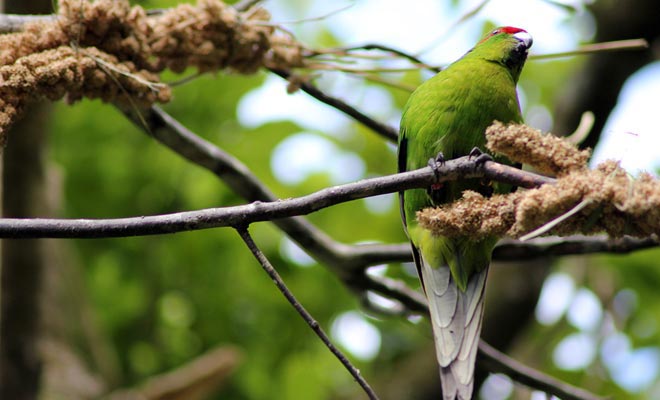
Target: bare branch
[[10, 23], [513, 250], [553, 246], [169, 132], [244, 5], [381, 47], [461, 168], [339, 257], [277, 279], [500, 362], [197, 379], [617, 45]]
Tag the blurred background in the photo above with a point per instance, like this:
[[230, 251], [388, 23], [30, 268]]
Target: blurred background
[[114, 313]]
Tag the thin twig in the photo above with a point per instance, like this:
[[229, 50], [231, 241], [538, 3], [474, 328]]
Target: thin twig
[[108, 68], [277, 279], [328, 65], [583, 129], [384, 130], [375, 46], [617, 45], [551, 224], [500, 362], [378, 79], [244, 5]]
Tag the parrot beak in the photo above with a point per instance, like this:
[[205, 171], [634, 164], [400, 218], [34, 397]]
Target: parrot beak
[[524, 38]]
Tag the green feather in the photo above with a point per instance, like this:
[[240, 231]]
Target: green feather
[[449, 114]]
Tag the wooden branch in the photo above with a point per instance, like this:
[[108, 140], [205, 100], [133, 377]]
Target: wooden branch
[[496, 361], [195, 380], [461, 168], [367, 255], [553, 246], [10, 23], [168, 131]]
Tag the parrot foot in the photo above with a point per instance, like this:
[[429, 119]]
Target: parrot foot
[[479, 156], [435, 164]]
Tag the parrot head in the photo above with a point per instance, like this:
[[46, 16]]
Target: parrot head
[[505, 45]]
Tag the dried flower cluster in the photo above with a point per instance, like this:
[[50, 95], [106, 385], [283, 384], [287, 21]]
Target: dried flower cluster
[[548, 154], [107, 49], [584, 201]]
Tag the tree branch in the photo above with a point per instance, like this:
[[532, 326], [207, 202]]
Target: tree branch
[[553, 246], [461, 168], [515, 250], [10, 23], [500, 362], [169, 132], [306, 316], [195, 380], [377, 46]]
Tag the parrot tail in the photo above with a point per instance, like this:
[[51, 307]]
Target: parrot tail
[[456, 319]]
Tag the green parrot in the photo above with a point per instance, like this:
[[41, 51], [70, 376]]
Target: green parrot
[[447, 116]]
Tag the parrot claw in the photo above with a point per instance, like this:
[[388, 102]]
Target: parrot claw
[[479, 156], [436, 163], [439, 160]]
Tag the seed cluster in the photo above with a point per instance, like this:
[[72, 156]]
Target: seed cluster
[[547, 153], [109, 50], [606, 199]]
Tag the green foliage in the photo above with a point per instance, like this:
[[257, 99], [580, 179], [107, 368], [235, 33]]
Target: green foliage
[[165, 299]]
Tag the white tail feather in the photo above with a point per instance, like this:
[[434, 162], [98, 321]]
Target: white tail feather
[[456, 319]]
